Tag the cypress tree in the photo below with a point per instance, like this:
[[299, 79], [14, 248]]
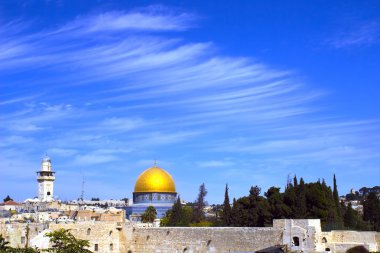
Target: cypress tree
[[234, 213], [295, 181], [336, 199], [227, 219], [198, 213]]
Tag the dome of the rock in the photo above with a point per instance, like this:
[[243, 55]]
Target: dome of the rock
[[155, 179]]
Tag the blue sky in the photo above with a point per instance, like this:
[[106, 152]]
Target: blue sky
[[244, 93]]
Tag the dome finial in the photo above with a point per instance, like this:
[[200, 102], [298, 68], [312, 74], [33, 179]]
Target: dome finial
[[46, 158]]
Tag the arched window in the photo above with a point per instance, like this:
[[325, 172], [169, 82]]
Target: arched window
[[110, 234], [296, 241], [88, 231], [111, 247], [324, 240]]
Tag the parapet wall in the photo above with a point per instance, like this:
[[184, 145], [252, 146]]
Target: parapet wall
[[176, 239], [342, 240]]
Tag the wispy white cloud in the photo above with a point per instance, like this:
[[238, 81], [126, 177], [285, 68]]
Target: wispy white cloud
[[36, 117], [109, 89], [143, 20], [364, 34], [215, 163], [122, 124]]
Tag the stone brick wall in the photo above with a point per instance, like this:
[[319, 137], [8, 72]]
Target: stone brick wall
[[115, 237], [16, 233], [103, 236], [192, 240], [344, 240]]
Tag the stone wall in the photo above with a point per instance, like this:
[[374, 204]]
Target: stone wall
[[103, 236], [113, 237], [20, 234], [342, 240], [205, 239]]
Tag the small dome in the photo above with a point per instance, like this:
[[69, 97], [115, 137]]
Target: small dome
[[155, 179]]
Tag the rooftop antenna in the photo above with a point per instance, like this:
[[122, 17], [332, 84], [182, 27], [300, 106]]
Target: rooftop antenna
[[80, 201]]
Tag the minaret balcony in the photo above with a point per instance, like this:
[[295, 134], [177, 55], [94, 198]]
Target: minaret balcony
[[45, 173], [45, 178]]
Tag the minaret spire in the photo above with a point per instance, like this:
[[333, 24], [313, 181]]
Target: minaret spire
[[45, 179]]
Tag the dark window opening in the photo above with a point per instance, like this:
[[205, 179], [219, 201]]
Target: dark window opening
[[111, 247], [327, 249], [208, 243], [48, 193], [88, 231], [324, 240], [96, 247], [296, 241]]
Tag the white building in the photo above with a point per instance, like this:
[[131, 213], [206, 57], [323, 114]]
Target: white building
[[45, 179]]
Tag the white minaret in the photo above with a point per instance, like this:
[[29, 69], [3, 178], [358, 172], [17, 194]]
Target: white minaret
[[45, 178]]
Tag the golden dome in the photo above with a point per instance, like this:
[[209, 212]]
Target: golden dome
[[155, 179]]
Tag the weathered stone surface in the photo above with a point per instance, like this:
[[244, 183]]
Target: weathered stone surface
[[115, 237], [202, 239]]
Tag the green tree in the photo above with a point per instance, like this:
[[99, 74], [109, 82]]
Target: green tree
[[371, 210], [295, 181], [176, 213], [64, 242], [253, 214], [149, 215], [336, 196], [164, 222], [350, 217], [277, 207], [226, 215], [300, 211], [290, 199], [240, 212], [339, 216], [4, 245], [7, 198], [187, 213], [198, 213]]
